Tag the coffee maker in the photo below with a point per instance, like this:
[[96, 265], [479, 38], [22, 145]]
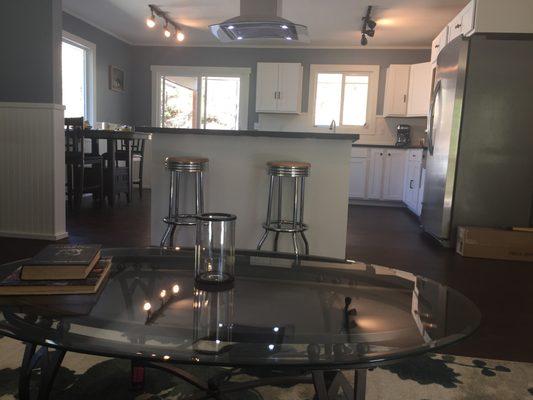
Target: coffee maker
[[403, 135]]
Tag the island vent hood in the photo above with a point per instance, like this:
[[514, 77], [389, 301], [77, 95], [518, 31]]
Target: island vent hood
[[260, 20]]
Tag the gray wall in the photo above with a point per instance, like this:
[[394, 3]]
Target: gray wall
[[30, 48], [248, 57], [111, 106]]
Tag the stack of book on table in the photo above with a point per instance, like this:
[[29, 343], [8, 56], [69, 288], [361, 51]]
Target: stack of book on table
[[59, 269]]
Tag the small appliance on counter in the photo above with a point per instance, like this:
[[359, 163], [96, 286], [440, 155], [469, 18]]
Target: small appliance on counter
[[403, 135]]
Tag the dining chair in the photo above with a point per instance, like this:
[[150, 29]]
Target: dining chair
[[137, 155], [84, 171]]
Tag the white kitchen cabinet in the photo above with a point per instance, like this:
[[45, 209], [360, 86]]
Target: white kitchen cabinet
[[396, 90], [358, 177], [413, 180], [393, 174], [438, 44], [375, 174], [463, 23], [407, 90], [279, 88], [419, 90], [266, 99]]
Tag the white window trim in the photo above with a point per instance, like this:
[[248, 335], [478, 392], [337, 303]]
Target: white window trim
[[158, 71], [373, 87], [91, 72]]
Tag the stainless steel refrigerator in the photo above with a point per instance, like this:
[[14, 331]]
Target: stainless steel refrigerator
[[479, 168]]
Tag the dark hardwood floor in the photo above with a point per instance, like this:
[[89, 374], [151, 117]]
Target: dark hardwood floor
[[503, 290]]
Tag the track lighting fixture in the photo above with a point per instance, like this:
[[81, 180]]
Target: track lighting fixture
[[151, 22], [166, 32], [368, 28]]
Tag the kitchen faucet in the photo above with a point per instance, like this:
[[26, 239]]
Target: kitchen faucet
[[333, 126]]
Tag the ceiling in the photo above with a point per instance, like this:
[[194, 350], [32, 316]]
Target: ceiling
[[332, 23]]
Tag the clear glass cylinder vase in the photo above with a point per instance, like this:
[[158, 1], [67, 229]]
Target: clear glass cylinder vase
[[215, 248]]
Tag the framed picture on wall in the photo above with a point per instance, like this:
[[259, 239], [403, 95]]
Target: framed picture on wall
[[116, 79]]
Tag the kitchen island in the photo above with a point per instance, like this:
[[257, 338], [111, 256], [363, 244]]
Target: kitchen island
[[236, 182]]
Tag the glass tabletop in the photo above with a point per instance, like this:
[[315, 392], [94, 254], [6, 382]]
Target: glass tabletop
[[318, 313]]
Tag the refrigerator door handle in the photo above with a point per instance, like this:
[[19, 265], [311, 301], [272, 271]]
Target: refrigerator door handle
[[431, 141]]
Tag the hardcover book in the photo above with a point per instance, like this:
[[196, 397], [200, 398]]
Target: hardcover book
[[62, 262], [14, 285]]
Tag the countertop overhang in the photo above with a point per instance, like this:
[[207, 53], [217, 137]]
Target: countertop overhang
[[251, 133]]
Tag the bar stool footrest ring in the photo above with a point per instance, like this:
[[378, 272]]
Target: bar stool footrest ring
[[182, 220], [285, 227]]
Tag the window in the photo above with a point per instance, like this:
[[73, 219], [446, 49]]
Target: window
[[77, 69], [346, 94], [197, 97]]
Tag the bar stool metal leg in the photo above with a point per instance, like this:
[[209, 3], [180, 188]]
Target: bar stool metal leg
[[269, 212], [170, 208], [280, 198], [176, 206], [301, 221]]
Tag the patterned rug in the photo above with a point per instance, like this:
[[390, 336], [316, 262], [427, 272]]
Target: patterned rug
[[430, 377]]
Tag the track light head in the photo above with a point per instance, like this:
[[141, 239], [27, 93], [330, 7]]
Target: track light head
[[369, 32], [180, 36], [166, 32], [371, 24], [150, 21], [364, 40]]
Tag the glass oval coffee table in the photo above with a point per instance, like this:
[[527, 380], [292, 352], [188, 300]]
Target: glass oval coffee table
[[286, 322]]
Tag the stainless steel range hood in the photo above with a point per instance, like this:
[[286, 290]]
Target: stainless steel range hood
[[260, 21]]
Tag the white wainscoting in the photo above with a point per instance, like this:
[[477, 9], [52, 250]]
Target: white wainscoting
[[32, 171]]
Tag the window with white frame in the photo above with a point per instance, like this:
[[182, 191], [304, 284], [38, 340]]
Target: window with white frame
[[77, 73], [346, 94], [200, 97]]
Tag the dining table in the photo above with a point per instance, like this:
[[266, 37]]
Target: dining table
[[112, 176], [283, 321]]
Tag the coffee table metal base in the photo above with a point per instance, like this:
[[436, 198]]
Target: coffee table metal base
[[48, 361], [327, 384]]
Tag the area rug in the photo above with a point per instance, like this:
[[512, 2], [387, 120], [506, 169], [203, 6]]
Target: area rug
[[429, 377]]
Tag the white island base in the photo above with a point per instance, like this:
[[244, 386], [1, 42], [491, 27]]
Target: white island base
[[236, 182]]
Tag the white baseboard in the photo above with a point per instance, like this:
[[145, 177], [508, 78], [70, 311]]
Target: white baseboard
[[37, 236]]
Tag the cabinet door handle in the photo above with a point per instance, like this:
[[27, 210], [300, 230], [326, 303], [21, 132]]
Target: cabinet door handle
[[389, 154], [411, 184], [405, 98], [437, 46], [279, 95], [458, 26]]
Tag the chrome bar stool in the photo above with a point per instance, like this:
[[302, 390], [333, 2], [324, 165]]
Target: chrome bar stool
[[179, 168], [297, 172]]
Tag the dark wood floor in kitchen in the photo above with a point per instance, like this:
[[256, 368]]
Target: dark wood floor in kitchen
[[387, 236]]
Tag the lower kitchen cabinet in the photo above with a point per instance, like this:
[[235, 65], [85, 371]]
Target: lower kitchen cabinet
[[412, 195], [377, 174], [358, 177], [393, 174]]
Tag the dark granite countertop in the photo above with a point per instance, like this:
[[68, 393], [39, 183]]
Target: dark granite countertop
[[389, 146], [276, 134]]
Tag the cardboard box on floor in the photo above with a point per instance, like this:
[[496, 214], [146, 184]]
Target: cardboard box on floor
[[499, 244]]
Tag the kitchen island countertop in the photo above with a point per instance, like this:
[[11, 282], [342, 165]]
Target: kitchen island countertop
[[278, 134]]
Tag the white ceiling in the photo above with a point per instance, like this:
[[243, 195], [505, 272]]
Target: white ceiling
[[332, 23]]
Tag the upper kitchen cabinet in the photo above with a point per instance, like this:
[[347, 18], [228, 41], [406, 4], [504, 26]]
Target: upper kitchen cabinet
[[407, 90], [279, 88], [396, 90], [463, 23], [486, 16], [419, 95], [438, 44]]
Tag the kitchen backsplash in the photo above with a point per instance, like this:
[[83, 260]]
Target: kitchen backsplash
[[384, 131]]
